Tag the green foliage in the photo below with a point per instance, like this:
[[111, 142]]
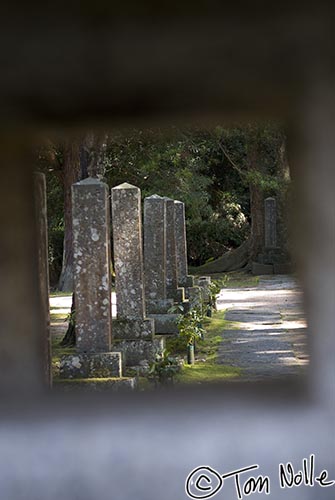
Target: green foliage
[[190, 326], [186, 165], [210, 170], [205, 369], [164, 368], [47, 157], [71, 318], [176, 344], [201, 373], [214, 288], [56, 242]]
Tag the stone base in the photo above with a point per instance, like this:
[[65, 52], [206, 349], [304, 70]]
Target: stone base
[[96, 385], [273, 256], [165, 324], [159, 306], [101, 365], [188, 283], [137, 351], [258, 269], [133, 329], [177, 295], [194, 295], [282, 268], [203, 282]]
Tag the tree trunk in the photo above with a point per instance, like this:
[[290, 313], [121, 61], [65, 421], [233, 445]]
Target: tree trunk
[[71, 174], [230, 261], [69, 339], [284, 199], [256, 169]]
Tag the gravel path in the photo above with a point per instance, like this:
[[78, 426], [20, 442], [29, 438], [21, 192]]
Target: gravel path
[[269, 337]]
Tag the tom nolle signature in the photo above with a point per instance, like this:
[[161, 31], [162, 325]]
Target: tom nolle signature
[[205, 482]]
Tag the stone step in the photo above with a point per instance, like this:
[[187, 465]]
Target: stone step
[[135, 351], [166, 324], [259, 269], [123, 329], [109, 384], [159, 306], [91, 365]]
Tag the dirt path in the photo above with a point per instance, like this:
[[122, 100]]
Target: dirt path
[[270, 339]]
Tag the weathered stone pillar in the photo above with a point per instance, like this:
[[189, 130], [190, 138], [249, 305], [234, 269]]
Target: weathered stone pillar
[[154, 252], [181, 246], [128, 254], [133, 330], [92, 260], [192, 293], [270, 223], [171, 257], [155, 247], [172, 290], [184, 279], [92, 265], [43, 267], [273, 259]]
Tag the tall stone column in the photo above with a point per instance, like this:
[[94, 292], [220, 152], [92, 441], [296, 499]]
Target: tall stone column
[[92, 265], [155, 254], [172, 289], [184, 279], [270, 222], [181, 246], [192, 293], [155, 249], [43, 267], [132, 329], [274, 259], [128, 253], [92, 260]]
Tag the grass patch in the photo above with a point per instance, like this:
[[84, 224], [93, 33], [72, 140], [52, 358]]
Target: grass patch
[[57, 352], [214, 328], [206, 373], [237, 279], [60, 294], [88, 380], [205, 369], [58, 317], [208, 347]]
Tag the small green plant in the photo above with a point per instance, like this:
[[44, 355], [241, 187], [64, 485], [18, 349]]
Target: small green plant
[[69, 339], [71, 318], [163, 369], [190, 325], [213, 290]]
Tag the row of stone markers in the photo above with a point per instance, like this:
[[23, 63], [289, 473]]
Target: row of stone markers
[[167, 282], [150, 279]]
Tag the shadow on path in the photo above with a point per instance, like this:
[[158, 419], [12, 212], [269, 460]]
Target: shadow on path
[[270, 339]]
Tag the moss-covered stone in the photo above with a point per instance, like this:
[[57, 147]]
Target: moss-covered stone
[[99, 365], [108, 384]]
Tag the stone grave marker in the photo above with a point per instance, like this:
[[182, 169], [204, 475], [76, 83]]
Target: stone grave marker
[[132, 329], [92, 260]]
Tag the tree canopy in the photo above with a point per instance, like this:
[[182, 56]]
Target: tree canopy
[[215, 172]]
